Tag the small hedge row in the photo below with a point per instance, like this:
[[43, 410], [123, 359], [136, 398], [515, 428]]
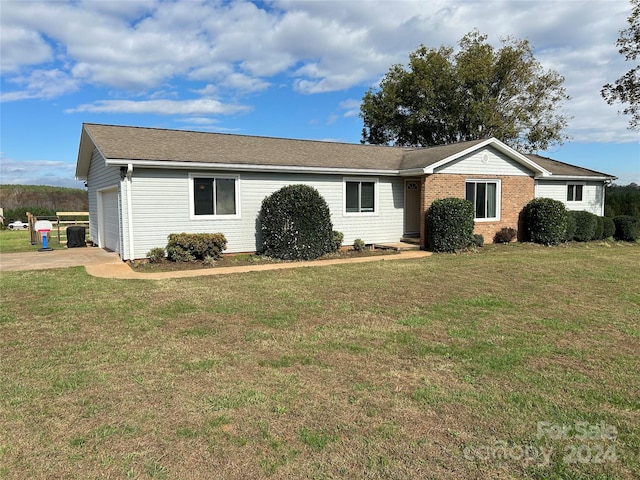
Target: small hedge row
[[187, 247], [450, 224], [548, 222], [585, 226]]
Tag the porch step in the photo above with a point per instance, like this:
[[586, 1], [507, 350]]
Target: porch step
[[400, 246], [413, 240]]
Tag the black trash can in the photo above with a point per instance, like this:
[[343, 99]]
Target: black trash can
[[75, 237]]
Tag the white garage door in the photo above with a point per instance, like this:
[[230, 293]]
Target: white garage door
[[110, 234]]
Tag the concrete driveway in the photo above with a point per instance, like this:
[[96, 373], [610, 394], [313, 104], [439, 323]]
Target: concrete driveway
[[58, 258]]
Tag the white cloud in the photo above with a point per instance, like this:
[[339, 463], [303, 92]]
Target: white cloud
[[225, 49], [352, 107], [203, 106], [244, 83], [21, 46], [333, 118], [41, 84], [200, 120]]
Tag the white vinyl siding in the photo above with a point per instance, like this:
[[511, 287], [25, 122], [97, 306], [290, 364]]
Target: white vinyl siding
[[592, 194], [485, 162], [161, 205]]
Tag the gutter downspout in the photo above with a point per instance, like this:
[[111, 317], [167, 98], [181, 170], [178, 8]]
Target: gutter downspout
[[130, 210]]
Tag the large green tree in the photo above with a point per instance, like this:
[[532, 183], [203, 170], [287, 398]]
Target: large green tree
[[445, 97], [626, 89]]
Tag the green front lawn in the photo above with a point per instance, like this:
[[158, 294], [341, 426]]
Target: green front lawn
[[17, 241], [518, 361]]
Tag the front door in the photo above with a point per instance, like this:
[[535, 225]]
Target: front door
[[412, 208]]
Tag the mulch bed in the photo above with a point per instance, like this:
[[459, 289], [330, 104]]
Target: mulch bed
[[242, 259]]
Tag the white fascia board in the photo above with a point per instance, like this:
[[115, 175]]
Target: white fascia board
[[413, 172], [85, 152], [498, 145], [118, 162], [582, 178]]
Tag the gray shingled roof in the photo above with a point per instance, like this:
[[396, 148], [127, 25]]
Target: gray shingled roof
[[160, 145], [138, 143], [565, 169]]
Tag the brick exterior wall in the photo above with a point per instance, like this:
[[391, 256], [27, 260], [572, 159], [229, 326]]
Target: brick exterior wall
[[517, 191]]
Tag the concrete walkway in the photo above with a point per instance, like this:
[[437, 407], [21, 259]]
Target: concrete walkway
[[100, 263], [58, 258]]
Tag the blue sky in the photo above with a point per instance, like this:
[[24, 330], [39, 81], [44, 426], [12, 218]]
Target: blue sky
[[294, 69]]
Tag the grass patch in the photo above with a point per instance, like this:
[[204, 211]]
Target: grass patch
[[417, 373], [19, 241]]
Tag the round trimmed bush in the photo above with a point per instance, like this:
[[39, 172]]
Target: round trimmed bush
[[627, 228], [295, 224], [449, 225], [546, 221], [586, 224], [609, 227], [599, 228], [570, 231]]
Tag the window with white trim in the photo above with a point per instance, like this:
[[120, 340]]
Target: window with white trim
[[360, 195], [485, 196], [214, 196], [574, 192]]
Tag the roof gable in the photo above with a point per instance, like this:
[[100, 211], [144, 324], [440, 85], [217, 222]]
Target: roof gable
[[429, 159]]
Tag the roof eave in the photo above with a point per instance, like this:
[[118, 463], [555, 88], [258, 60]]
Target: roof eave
[[177, 165], [583, 177]]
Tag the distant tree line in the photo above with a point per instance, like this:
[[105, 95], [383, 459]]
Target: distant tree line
[[622, 200], [41, 200]]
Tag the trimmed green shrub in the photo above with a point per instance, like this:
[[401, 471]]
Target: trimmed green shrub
[[358, 245], [546, 221], [156, 255], [295, 224], [586, 224], [449, 225], [337, 239], [505, 235], [187, 247], [599, 228], [627, 228], [571, 227], [478, 240], [609, 227]]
